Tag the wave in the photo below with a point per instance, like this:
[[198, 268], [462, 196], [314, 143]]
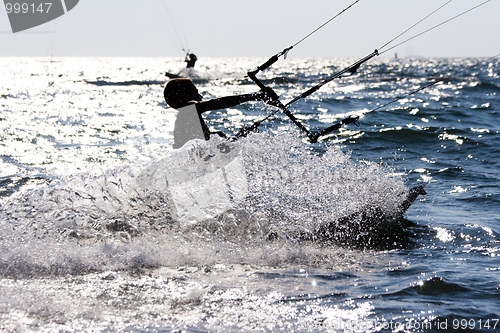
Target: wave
[[437, 286], [10, 185], [101, 83]]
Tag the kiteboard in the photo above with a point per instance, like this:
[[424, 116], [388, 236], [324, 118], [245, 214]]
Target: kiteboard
[[173, 76], [369, 227]]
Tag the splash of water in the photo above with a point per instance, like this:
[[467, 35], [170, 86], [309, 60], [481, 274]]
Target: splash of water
[[126, 216]]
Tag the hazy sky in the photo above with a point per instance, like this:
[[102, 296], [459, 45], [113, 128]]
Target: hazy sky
[[257, 28]]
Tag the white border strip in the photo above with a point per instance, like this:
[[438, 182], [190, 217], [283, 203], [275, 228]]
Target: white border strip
[[64, 6]]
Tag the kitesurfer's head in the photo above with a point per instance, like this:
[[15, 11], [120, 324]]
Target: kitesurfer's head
[[179, 92]]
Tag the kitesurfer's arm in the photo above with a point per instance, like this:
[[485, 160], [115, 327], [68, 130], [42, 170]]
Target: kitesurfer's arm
[[267, 96]]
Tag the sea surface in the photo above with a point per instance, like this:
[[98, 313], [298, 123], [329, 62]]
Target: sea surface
[[91, 238]]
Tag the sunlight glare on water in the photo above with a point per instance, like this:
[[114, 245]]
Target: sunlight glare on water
[[91, 237]]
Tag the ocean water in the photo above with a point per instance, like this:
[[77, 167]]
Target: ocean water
[[91, 195]]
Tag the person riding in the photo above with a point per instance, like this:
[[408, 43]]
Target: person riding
[[190, 60], [182, 95]]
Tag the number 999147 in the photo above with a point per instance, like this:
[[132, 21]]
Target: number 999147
[[25, 8]]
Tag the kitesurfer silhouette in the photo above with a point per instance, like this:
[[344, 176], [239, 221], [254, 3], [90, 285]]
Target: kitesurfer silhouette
[[182, 94], [190, 60]]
